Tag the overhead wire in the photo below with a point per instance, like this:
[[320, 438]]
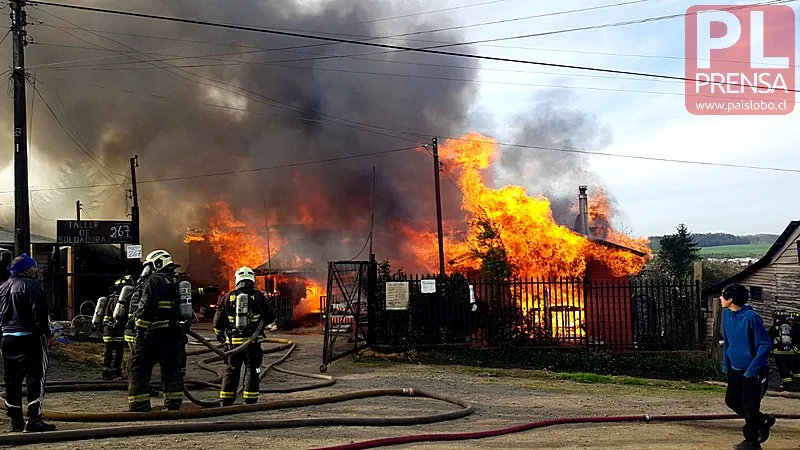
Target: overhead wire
[[428, 50], [441, 44], [229, 87], [30, 149]]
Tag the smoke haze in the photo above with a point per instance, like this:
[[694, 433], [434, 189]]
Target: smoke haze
[[279, 107]]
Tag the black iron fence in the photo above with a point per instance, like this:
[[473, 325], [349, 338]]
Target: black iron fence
[[627, 314]]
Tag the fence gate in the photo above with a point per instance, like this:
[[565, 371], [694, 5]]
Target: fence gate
[[349, 309]]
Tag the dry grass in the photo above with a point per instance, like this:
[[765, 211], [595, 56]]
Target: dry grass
[[84, 353]]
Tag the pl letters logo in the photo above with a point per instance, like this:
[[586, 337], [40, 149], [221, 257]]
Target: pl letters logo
[[740, 60]]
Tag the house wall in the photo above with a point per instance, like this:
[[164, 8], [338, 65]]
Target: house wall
[[780, 285], [608, 307]]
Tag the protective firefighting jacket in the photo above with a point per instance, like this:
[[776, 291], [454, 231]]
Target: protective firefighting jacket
[[160, 300], [258, 307], [785, 334]]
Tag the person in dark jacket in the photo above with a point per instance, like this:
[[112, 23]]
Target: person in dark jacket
[[113, 332], [159, 333], [25, 327], [745, 360], [236, 332]]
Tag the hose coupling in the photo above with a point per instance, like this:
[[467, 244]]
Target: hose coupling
[[409, 392], [647, 418]]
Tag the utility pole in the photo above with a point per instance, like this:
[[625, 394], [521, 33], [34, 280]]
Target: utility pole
[[22, 217], [78, 209], [135, 206], [436, 169]]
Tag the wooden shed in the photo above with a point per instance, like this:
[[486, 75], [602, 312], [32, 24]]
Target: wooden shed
[[773, 280]]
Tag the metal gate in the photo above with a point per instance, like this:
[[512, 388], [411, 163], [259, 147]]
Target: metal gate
[[349, 309]]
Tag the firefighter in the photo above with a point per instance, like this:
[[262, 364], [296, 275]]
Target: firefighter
[[785, 334], [160, 336], [113, 332], [235, 321]]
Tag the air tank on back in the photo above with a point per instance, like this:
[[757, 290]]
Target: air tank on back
[[121, 310], [99, 311], [241, 311], [185, 311]]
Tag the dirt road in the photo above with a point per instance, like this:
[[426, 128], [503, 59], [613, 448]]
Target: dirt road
[[502, 398]]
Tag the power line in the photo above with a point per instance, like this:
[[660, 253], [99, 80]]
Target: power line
[[232, 172], [423, 13], [399, 36], [387, 46], [452, 79], [507, 144], [72, 138]]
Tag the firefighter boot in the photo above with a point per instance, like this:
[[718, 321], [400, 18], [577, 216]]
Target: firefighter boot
[[37, 425]]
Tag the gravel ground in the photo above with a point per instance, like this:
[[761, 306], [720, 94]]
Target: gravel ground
[[502, 398]]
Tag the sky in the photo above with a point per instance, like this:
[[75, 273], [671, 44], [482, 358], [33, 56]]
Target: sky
[[646, 117], [652, 121]]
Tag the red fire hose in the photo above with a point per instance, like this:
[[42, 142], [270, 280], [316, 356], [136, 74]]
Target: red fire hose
[[399, 440]]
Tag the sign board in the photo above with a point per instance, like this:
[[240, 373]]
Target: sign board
[[71, 232], [427, 286], [472, 293], [396, 295], [134, 251]]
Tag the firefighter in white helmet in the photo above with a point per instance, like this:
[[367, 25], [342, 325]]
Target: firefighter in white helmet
[[235, 321]]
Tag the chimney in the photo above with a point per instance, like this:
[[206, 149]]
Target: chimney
[[583, 217]]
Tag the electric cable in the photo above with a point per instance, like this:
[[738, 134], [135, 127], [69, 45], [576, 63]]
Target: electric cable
[[442, 44], [395, 47]]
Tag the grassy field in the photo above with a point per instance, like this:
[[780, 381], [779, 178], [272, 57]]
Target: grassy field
[[736, 251]]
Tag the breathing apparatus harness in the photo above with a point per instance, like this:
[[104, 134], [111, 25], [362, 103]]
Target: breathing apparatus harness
[[243, 324], [783, 342]]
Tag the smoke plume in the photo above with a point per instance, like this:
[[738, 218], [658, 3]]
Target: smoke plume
[[250, 102]]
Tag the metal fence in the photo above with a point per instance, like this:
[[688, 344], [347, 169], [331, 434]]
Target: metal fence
[[628, 314]]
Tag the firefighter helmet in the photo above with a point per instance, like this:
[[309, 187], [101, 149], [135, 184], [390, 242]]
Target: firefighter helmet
[[245, 273], [158, 259], [127, 280]]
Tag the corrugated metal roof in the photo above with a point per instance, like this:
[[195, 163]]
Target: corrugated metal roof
[[7, 237]]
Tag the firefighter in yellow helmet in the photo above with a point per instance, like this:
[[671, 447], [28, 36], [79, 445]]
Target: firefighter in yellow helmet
[[160, 337], [113, 332], [235, 321]]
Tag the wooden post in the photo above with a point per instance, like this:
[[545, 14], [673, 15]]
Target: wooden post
[[70, 284]]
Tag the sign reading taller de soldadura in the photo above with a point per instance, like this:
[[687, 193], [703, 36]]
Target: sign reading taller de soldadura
[[70, 232]]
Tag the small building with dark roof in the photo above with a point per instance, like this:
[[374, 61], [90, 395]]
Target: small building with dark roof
[[773, 280]]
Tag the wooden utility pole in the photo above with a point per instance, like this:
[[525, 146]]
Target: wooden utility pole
[[22, 218], [436, 169], [78, 209], [135, 197]]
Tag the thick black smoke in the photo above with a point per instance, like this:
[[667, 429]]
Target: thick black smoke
[[556, 125], [238, 108]]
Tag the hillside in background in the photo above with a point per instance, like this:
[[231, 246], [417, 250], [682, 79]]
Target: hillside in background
[[726, 245]]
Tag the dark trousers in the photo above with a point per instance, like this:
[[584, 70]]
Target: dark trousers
[[168, 350], [112, 359], [788, 368], [744, 398], [251, 357], [24, 358]]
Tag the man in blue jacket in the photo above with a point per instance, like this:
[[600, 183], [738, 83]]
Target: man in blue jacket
[[746, 362], [25, 327]]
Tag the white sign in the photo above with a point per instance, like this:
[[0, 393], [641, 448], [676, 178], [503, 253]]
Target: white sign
[[134, 251], [396, 295], [428, 286], [472, 294]]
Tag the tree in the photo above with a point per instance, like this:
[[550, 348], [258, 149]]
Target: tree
[[678, 252], [491, 251]]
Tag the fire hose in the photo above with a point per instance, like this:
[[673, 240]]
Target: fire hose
[[213, 409]]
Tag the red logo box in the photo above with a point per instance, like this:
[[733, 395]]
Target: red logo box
[[740, 60]]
